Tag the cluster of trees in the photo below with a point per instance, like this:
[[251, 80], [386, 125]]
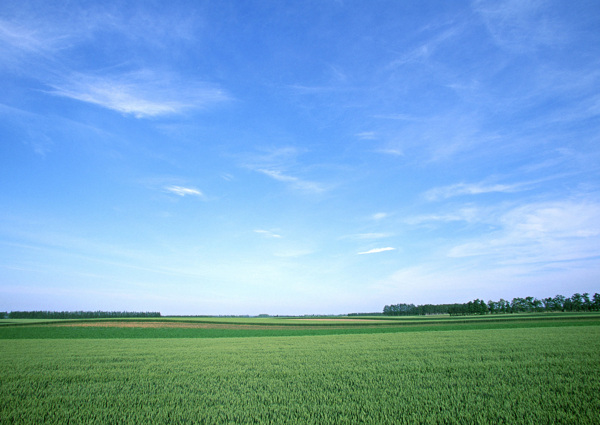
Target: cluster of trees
[[417, 310], [577, 302], [476, 306], [76, 314]]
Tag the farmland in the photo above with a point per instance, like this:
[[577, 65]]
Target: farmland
[[515, 369]]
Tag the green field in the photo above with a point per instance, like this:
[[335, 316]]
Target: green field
[[512, 370]]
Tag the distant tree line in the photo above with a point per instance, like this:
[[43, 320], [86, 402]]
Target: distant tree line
[[577, 302], [417, 310], [76, 314]]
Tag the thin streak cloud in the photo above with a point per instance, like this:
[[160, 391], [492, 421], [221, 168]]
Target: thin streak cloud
[[267, 233], [377, 250], [469, 189], [295, 182], [142, 94], [368, 236], [184, 191], [550, 232], [521, 26], [21, 38]]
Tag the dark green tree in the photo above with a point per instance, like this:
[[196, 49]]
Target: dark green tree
[[548, 304], [577, 301], [587, 303], [596, 302], [559, 302]]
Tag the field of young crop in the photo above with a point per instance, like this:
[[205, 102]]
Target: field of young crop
[[540, 372]]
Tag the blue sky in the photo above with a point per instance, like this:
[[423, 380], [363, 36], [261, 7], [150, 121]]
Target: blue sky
[[246, 157]]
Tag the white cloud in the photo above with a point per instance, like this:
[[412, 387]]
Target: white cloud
[[305, 185], [277, 175], [367, 135], [369, 236], [440, 283], [272, 158], [379, 216], [391, 151], [21, 38], [61, 28], [545, 247], [37, 46], [556, 219], [396, 117], [521, 26], [442, 136], [308, 90], [267, 233], [467, 214], [282, 164], [469, 189], [539, 233], [184, 191], [142, 94], [293, 253], [376, 250], [427, 49]]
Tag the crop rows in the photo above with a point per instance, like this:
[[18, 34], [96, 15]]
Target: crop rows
[[135, 329], [543, 375]]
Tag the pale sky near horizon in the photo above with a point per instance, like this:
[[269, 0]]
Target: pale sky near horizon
[[247, 157]]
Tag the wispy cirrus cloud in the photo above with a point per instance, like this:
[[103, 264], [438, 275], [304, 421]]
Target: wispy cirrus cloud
[[466, 214], [295, 182], [367, 135], [368, 236], [539, 233], [38, 29], [21, 38], [377, 250], [184, 191], [282, 164], [521, 25], [36, 46], [459, 189], [142, 94], [427, 48], [293, 253], [543, 245], [391, 151], [440, 137], [305, 89], [268, 233]]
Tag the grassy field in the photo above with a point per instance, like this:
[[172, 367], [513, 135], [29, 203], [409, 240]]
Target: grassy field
[[517, 370]]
